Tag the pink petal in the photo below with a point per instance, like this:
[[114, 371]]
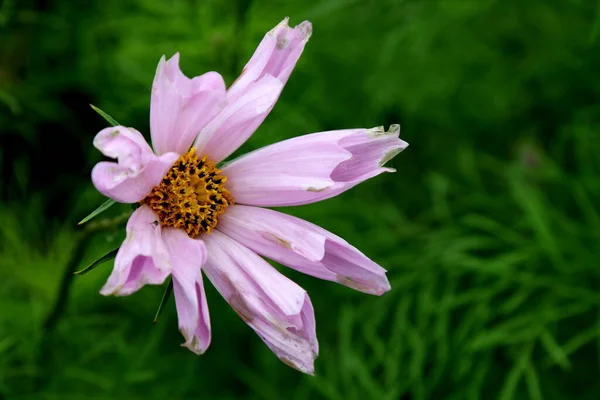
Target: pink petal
[[180, 107], [142, 259], [304, 247], [187, 256], [238, 121], [276, 308], [253, 95], [276, 55], [312, 167], [137, 169]]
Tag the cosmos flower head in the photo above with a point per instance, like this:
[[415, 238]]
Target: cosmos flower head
[[196, 218]]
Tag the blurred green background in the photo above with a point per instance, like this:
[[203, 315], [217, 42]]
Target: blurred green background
[[490, 228]]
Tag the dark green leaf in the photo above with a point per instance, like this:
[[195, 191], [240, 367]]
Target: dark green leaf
[[107, 257]]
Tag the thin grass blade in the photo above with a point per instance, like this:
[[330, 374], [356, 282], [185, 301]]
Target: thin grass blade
[[104, 115], [107, 257], [105, 206]]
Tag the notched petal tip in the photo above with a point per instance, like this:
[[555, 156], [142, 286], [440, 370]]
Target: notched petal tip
[[193, 343], [397, 147], [394, 130], [285, 23], [285, 35], [167, 66], [159, 71], [174, 59], [305, 29]]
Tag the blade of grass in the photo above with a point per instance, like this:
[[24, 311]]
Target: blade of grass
[[515, 374], [163, 300], [104, 115], [556, 353], [103, 207], [107, 257]]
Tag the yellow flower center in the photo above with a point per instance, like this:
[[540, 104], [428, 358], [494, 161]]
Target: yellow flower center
[[191, 195]]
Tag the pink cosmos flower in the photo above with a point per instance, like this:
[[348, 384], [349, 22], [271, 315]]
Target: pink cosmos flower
[[194, 217]]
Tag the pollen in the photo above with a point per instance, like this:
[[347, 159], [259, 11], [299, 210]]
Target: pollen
[[191, 196]]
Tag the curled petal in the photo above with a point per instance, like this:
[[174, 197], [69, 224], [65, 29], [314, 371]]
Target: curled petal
[[137, 169], [180, 107], [313, 167], [276, 55], [278, 310], [238, 121], [187, 257], [143, 257], [304, 247]]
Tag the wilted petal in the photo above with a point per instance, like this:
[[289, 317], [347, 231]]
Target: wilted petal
[[238, 121], [180, 107], [312, 167], [137, 169], [275, 307], [276, 55], [187, 257], [143, 257], [304, 247]]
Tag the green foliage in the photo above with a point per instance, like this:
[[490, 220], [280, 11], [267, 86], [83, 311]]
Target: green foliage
[[103, 207], [104, 115], [490, 229], [105, 258]]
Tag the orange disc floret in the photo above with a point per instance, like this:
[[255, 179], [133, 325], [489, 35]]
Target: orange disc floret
[[191, 195]]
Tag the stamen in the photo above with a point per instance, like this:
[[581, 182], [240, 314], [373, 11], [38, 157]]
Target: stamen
[[191, 195]]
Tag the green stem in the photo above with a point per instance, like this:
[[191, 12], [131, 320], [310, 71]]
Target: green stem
[[83, 238]]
